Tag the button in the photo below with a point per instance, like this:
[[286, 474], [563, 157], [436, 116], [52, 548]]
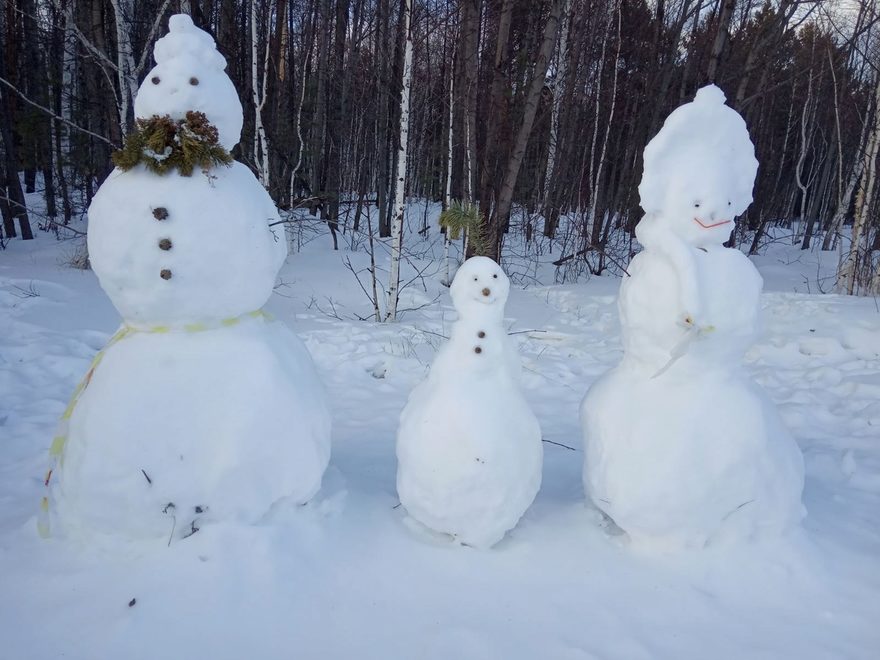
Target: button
[[160, 213], [478, 350], [165, 274], [481, 334], [165, 244]]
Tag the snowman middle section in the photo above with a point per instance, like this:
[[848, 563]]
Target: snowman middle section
[[468, 445]]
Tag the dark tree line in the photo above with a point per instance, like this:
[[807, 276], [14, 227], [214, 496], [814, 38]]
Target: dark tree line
[[536, 110]]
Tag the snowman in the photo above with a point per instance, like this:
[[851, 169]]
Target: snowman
[[201, 407], [682, 448], [468, 446]]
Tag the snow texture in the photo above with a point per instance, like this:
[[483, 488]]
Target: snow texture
[[468, 446], [189, 75], [221, 423], [344, 577], [223, 257], [682, 448], [205, 405]]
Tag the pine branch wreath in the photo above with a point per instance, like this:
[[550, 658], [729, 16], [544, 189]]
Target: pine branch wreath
[[163, 144]]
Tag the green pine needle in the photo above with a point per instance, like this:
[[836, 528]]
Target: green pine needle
[[465, 216]]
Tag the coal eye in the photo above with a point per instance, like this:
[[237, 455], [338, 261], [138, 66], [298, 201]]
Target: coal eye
[[696, 205], [155, 80], [193, 81], [475, 279], [729, 204], [495, 276]]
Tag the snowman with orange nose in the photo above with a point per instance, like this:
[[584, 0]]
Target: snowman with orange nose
[[468, 446], [682, 447]]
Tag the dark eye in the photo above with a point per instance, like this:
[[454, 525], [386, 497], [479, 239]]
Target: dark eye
[[475, 279], [495, 276], [729, 204], [193, 81], [155, 80], [696, 205]]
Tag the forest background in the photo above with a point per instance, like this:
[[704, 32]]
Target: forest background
[[527, 117]]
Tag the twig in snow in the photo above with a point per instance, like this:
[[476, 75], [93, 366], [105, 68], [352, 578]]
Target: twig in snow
[[558, 444]]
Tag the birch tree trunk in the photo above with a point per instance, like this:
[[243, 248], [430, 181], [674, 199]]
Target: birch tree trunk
[[447, 189], [848, 275], [400, 180], [557, 103], [125, 66], [261, 142]]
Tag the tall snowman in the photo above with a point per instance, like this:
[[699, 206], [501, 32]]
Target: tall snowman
[[468, 446], [682, 447], [200, 408]]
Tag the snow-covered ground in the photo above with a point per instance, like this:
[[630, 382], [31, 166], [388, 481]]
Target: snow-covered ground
[[346, 577]]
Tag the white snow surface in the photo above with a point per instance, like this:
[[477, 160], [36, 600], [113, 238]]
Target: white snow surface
[[223, 258], [468, 446], [228, 421], [344, 577], [682, 448], [190, 75]]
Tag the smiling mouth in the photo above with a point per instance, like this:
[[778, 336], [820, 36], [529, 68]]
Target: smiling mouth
[[714, 224]]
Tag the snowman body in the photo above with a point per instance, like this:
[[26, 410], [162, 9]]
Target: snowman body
[[682, 447], [468, 445], [204, 408]]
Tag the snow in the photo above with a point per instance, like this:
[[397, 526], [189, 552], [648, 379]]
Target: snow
[[468, 446], [702, 155], [189, 75], [344, 576], [682, 448], [229, 421], [223, 257]]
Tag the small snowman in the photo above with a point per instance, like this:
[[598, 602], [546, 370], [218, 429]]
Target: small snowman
[[682, 448], [200, 407], [468, 446]]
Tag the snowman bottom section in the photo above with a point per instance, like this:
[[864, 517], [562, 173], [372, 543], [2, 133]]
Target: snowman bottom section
[[469, 459], [687, 459], [180, 427]]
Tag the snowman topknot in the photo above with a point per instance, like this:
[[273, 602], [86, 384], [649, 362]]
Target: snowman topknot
[[704, 135]]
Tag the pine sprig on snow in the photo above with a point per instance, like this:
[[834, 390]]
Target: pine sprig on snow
[[163, 144], [465, 216]]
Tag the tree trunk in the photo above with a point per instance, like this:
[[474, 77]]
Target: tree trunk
[[539, 75], [400, 180]]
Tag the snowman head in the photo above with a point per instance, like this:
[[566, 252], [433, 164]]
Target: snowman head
[[479, 287], [699, 170], [190, 75]]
